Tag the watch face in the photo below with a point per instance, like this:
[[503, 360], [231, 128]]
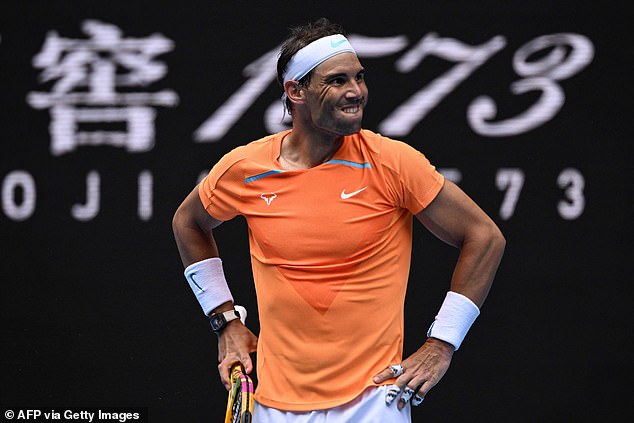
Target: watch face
[[217, 322]]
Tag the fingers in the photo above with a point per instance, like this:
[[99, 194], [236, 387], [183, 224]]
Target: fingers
[[234, 346], [403, 388], [397, 370], [247, 365], [407, 394], [410, 394], [416, 375], [225, 377], [417, 400], [225, 366], [391, 372], [392, 393]]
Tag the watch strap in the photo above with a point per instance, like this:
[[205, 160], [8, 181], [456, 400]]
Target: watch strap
[[227, 316]]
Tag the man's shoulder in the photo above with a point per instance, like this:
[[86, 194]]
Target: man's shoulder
[[369, 136], [257, 149], [381, 144], [265, 141], [242, 159]]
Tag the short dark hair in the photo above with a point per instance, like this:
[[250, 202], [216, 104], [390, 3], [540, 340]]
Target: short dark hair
[[300, 37]]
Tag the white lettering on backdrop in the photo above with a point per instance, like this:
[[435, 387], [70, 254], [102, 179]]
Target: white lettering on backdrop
[[541, 63]]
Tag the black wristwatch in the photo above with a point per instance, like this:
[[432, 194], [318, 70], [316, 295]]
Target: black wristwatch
[[218, 321]]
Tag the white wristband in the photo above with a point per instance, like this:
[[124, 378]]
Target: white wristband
[[207, 279], [455, 317]]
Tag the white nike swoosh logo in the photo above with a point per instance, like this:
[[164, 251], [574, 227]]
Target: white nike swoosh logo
[[345, 196]]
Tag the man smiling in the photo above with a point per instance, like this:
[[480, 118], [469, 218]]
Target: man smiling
[[329, 207]]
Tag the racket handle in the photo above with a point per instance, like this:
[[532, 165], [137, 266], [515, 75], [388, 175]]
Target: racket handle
[[243, 313]]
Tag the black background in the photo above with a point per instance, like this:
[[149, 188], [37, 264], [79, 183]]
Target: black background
[[98, 313]]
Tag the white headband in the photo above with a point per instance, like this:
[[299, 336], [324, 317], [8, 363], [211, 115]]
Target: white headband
[[309, 57]]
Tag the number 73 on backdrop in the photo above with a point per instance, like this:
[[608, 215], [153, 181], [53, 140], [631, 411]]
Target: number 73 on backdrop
[[541, 64]]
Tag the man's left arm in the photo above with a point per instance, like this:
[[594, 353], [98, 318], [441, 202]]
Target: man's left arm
[[457, 220]]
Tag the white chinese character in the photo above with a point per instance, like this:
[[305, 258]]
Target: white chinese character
[[90, 85]]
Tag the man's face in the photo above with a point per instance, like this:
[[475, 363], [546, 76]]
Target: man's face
[[337, 95]]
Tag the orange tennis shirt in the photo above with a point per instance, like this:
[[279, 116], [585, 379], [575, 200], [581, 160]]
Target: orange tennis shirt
[[330, 254]]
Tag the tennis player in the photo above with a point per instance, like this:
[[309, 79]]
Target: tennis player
[[329, 207]]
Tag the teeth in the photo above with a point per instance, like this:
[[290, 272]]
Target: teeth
[[351, 109]]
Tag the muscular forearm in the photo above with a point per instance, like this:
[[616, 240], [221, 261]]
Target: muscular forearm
[[193, 244], [192, 227], [480, 256]]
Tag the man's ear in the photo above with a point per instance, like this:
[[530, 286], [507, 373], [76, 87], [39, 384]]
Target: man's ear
[[294, 92]]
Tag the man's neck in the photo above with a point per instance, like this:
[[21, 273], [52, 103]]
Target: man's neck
[[306, 149]]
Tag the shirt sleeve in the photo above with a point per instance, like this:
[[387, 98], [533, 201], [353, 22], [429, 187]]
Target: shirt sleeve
[[220, 191], [413, 181]]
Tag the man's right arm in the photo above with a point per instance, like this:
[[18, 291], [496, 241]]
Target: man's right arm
[[192, 227], [193, 232]]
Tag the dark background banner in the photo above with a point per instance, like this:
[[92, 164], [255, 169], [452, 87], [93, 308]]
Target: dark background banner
[[111, 111]]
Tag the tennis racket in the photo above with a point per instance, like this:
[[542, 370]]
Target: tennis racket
[[240, 400]]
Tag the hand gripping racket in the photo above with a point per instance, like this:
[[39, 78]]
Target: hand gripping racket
[[240, 400]]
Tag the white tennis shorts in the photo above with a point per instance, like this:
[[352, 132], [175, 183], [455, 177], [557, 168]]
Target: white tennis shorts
[[369, 407]]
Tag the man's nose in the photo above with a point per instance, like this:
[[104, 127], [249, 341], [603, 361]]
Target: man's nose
[[354, 90]]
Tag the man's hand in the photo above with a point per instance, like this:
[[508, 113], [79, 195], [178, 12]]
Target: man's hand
[[421, 371], [235, 343]]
